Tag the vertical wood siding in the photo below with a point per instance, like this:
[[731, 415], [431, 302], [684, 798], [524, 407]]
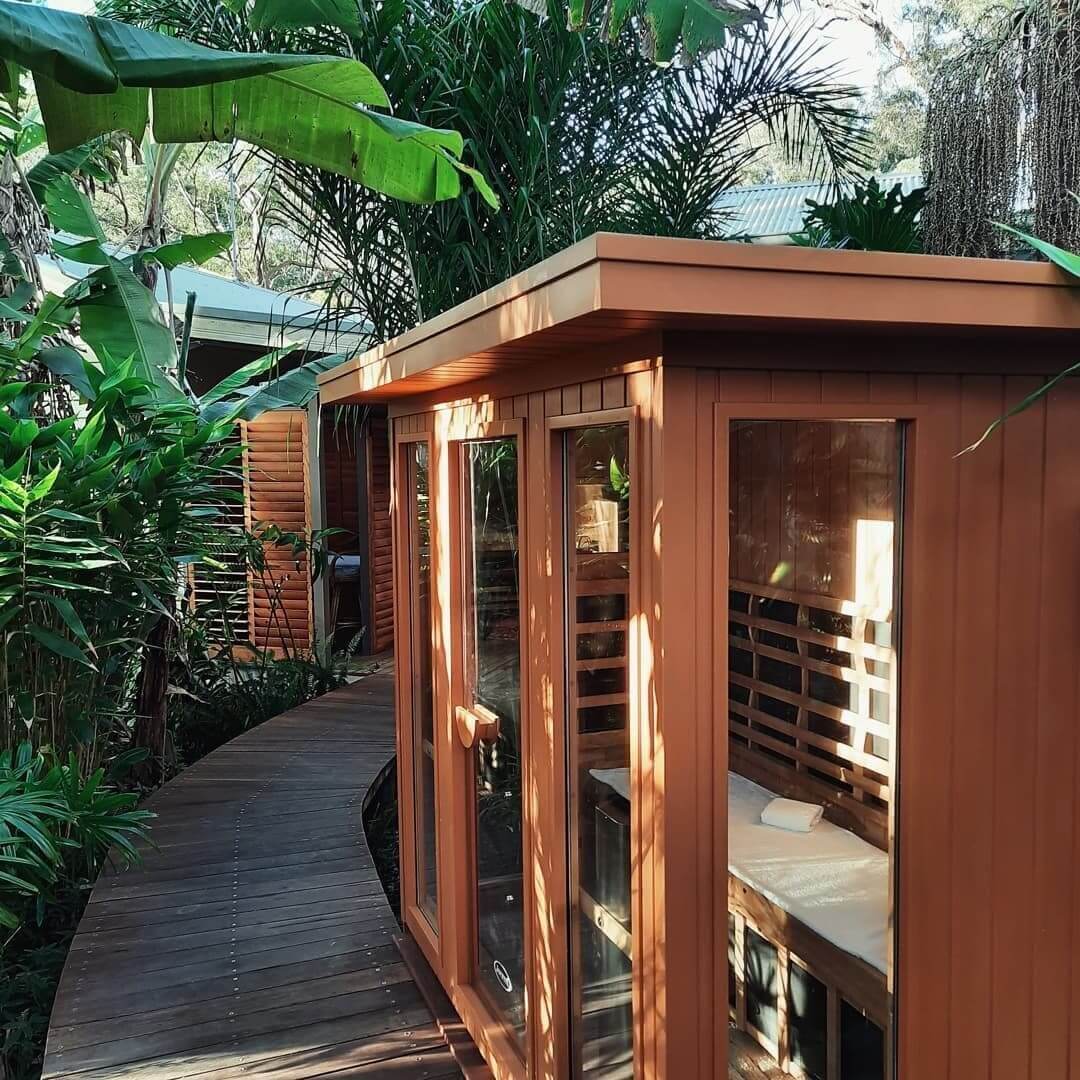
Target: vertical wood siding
[[278, 492], [381, 607], [989, 906]]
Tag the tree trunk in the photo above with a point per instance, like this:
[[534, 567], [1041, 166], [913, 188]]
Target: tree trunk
[[151, 705]]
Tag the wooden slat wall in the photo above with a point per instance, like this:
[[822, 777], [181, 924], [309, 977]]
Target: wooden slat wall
[[341, 485], [222, 594], [989, 895], [379, 536], [278, 492]]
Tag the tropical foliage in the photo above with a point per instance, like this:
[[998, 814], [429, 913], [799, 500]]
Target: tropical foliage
[[113, 477], [1002, 141], [1069, 261], [94, 76], [57, 826], [665, 27], [53, 821], [575, 134], [866, 218]]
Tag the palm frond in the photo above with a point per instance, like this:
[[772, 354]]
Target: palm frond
[[576, 134]]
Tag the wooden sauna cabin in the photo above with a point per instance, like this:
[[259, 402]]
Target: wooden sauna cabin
[[737, 713]]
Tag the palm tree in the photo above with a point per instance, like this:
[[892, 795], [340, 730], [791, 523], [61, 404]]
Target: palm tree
[[574, 133]]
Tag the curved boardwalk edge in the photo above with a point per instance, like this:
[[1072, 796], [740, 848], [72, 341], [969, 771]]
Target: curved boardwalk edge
[[255, 939]]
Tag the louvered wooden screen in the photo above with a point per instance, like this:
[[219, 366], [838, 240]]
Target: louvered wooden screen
[[381, 604], [219, 594], [341, 488], [278, 492]]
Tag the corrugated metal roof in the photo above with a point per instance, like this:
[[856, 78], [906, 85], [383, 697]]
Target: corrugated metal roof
[[230, 310], [774, 211]]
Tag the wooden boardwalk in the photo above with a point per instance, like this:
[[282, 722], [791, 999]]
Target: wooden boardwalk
[[256, 941]]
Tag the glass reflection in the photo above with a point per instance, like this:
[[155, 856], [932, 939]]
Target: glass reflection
[[814, 510], [419, 520], [597, 605], [493, 632]]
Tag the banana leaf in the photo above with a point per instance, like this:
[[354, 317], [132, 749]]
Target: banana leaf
[[292, 390], [187, 250], [120, 318], [343, 135], [70, 211], [697, 26], [67, 363], [95, 76], [80, 159], [97, 56]]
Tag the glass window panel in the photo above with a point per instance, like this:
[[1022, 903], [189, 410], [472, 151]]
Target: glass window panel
[[493, 657], [814, 513], [419, 533], [597, 559]]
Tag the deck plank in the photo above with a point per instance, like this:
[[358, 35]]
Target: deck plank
[[255, 938]]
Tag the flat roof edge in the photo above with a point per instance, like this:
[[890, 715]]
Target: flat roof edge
[[667, 280]]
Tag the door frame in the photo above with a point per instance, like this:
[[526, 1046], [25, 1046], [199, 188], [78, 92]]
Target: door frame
[[505, 1056], [559, 820], [428, 938]]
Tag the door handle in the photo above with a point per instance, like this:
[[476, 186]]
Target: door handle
[[475, 725]]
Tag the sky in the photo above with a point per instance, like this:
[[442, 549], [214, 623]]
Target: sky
[[852, 45]]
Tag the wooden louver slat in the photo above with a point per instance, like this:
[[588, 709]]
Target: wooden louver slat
[[278, 491]]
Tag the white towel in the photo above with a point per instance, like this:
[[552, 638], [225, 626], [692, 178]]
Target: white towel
[[791, 815]]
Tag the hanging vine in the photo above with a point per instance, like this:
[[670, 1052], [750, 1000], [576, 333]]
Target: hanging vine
[[1002, 140]]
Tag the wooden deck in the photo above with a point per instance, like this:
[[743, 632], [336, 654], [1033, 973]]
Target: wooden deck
[[256, 941]]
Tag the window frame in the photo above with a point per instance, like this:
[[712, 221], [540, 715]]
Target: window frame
[[909, 419], [430, 938]]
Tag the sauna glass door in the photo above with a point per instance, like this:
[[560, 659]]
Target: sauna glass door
[[492, 706], [596, 559]]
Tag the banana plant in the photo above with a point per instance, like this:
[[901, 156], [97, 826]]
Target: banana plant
[[94, 76]]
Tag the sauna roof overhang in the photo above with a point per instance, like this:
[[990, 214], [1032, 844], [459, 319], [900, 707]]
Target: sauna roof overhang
[[611, 287]]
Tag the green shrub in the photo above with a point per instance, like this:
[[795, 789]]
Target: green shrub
[[866, 219], [215, 696], [29, 973], [57, 827]]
